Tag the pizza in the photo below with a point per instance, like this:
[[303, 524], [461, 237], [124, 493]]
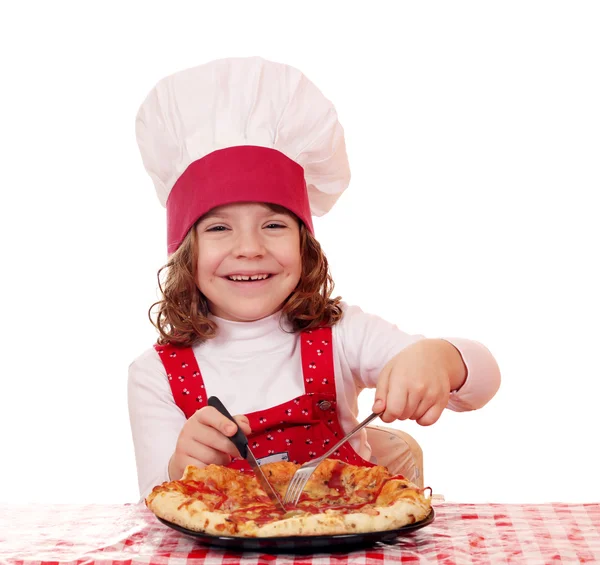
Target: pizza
[[338, 499]]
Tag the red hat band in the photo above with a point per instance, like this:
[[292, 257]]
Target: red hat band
[[245, 173]]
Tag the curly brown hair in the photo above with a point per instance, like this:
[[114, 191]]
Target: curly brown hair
[[182, 315]]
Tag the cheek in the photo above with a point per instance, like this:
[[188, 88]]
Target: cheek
[[293, 261], [298, 267], [201, 275], [208, 262]]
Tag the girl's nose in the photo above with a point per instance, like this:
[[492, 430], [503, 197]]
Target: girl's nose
[[250, 245]]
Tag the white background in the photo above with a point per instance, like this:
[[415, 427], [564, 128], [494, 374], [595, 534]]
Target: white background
[[473, 131]]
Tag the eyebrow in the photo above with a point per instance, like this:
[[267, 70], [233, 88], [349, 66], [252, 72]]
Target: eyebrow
[[224, 215], [210, 215]]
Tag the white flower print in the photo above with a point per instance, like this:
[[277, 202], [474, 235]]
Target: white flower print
[[185, 391]]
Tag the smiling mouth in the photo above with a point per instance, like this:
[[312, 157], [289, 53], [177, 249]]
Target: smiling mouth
[[248, 278]]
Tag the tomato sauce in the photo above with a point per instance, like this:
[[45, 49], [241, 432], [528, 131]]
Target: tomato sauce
[[261, 510], [335, 481]]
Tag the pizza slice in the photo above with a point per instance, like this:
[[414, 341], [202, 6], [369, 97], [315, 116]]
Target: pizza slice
[[338, 499]]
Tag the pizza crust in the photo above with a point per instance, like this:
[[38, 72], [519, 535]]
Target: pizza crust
[[194, 516], [398, 502], [400, 514]]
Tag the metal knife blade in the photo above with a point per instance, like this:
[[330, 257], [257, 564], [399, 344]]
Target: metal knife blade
[[241, 442], [264, 482]]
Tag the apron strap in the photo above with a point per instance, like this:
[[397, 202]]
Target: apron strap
[[184, 377]]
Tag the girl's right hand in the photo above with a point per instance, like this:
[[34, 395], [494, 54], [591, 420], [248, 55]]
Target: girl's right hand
[[204, 440]]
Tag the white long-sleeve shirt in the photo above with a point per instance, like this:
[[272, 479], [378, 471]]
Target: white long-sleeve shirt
[[252, 366]]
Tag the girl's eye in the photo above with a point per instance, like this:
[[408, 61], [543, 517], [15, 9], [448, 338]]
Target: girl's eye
[[274, 225], [217, 228]]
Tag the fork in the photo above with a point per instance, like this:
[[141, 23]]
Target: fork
[[301, 476]]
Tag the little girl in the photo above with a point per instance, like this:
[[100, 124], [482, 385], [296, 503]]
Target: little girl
[[242, 152]]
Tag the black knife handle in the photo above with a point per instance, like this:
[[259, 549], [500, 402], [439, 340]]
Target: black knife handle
[[239, 439]]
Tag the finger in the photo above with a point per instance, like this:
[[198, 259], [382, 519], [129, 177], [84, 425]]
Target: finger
[[430, 398], [190, 460], [210, 416], [432, 415], [396, 402], [239, 418], [185, 460], [179, 462], [244, 424], [397, 396], [413, 401], [381, 391], [205, 454], [202, 434], [425, 404]]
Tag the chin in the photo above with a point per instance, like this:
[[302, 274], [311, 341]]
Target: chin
[[247, 314]]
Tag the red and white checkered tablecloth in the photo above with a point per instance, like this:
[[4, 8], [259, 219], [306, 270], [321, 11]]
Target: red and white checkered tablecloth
[[460, 534]]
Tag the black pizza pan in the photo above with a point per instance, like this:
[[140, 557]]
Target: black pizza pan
[[295, 544]]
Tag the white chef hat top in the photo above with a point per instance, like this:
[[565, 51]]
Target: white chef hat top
[[240, 129]]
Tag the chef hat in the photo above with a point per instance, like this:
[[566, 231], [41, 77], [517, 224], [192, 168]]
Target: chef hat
[[240, 130]]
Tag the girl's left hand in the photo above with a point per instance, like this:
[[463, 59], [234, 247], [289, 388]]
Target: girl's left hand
[[416, 383]]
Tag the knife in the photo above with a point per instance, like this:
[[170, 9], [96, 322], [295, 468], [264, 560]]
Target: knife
[[241, 442]]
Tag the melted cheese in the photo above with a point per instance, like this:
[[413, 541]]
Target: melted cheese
[[335, 487]]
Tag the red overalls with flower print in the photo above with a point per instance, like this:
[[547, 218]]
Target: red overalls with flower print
[[298, 430]]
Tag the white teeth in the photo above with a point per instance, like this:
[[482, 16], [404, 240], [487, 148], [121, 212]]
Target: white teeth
[[247, 277]]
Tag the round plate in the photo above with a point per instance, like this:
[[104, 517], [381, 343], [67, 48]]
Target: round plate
[[300, 543]]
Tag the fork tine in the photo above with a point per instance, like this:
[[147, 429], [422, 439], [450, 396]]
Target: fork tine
[[297, 485], [299, 490], [295, 492], [286, 496], [291, 489], [295, 488]]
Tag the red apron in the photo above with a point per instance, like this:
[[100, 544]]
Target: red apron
[[298, 430]]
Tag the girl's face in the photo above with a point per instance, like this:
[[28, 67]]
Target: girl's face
[[248, 260]]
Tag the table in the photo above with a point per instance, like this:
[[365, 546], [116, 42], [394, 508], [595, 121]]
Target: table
[[461, 533]]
